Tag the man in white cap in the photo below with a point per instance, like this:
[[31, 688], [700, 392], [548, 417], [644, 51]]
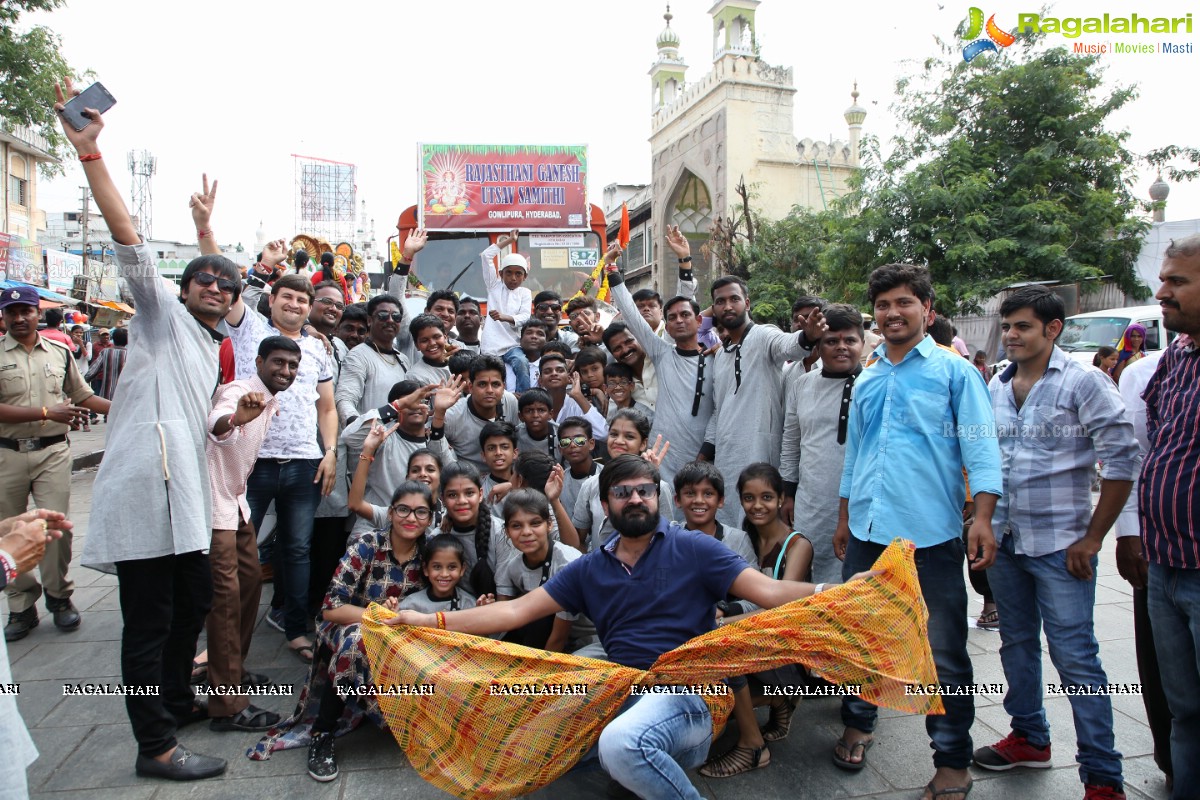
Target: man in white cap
[[42, 394], [509, 304]]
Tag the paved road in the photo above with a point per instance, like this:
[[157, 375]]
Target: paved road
[[87, 750]]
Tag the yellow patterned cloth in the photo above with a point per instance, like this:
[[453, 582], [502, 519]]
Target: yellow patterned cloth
[[476, 736]]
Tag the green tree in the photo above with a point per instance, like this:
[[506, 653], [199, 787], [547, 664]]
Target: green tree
[[30, 63], [1006, 172]]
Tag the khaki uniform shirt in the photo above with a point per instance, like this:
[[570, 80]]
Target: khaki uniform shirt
[[44, 376]]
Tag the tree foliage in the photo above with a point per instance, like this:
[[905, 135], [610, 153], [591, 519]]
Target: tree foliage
[[30, 63], [1006, 171]]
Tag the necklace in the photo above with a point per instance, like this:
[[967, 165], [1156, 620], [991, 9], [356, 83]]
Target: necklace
[[391, 358]]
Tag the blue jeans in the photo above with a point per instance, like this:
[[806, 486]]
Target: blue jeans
[[290, 484], [1174, 603], [940, 573], [518, 364], [652, 742], [1033, 593]]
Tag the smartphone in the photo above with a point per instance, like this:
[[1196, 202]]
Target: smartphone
[[95, 96]]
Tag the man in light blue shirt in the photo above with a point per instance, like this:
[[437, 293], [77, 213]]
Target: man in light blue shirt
[[920, 419], [1055, 419]]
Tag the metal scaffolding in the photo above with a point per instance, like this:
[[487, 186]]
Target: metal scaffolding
[[143, 165], [324, 198]]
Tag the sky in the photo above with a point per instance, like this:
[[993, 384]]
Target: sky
[[234, 88]]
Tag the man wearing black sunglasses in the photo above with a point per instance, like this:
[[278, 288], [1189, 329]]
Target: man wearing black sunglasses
[[548, 307], [375, 366], [151, 519]]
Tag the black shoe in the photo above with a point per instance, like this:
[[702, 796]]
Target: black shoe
[[66, 616], [20, 623], [250, 718], [183, 766], [322, 761]]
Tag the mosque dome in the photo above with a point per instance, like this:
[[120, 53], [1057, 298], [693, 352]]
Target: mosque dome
[[855, 114], [668, 39], [1159, 189]]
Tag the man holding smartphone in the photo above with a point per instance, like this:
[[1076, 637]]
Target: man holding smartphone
[[151, 517]]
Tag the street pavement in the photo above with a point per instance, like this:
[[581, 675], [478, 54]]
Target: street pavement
[[87, 749]]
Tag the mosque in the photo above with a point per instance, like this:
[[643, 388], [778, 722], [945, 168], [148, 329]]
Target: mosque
[[734, 125]]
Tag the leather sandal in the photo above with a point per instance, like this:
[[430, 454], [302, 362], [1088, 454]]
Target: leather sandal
[[736, 761], [846, 763], [779, 723], [303, 652], [250, 718]]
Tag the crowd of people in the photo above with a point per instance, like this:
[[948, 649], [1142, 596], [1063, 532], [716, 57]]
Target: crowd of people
[[501, 474]]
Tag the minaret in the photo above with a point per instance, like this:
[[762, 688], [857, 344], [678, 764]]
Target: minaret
[[733, 27], [1158, 193], [855, 115], [666, 76]]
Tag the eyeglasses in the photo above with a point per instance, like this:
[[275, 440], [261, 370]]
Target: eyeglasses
[[618, 383], [329, 301], [385, 316], [577, 313], [549, 307], [208, 279], [567, 441], [420, 513], [624, 492]]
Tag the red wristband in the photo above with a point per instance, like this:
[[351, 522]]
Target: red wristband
[[203, 234], [89, 157]]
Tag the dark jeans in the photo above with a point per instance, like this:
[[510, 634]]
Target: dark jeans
[[940, 573], [1153, 697], [1173, 599], [163, 605], [289, 482]]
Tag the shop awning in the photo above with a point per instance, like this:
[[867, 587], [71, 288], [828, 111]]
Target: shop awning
[[45, 294], [115, 306]]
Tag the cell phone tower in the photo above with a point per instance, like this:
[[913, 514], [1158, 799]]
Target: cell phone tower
[[143, 165]]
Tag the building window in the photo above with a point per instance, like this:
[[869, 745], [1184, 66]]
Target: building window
[[635, 254], [18, 191]]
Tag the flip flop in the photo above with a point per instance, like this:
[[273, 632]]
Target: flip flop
[[934, 794], [304, 653], [199, 672], [846, 763]]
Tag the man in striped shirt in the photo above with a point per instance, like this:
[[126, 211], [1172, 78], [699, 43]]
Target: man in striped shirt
[[1169, 505], [1055, 419]]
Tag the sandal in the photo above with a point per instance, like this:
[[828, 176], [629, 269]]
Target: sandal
[[934, 794], [989, 620], [736, 761], [303, 652], [779, 722], [846, 763], [250, 718], [199, 672]]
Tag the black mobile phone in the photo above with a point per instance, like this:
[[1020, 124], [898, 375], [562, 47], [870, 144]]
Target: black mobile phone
[[95, 96]]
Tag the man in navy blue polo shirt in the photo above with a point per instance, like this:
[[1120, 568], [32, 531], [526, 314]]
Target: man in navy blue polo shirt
[[650, 588]]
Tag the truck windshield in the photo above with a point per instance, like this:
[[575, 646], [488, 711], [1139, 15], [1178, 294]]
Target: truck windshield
[[1091, 333], [446, 254]]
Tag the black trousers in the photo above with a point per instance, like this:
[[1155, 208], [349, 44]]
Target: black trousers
[[163, 605], [328, 546], [1153, 697]]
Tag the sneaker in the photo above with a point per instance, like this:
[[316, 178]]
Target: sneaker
[[275, 619], [1092, 791], [1012, 751], [322, 761]]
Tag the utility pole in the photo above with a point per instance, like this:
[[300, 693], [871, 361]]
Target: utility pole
[[83, 224]]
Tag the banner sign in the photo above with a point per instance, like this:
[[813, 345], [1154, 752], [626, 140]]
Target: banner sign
[[21, 260], [501, 187], [61, 269]]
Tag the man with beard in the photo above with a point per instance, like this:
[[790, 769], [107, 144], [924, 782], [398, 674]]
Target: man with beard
[[354, 326], [548, 307], [325, 314], [467, 321], [375, 366], [748, 385], [657, 737]]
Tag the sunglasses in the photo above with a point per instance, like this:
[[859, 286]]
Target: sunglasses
[[329, 301], [207, 279], [624, 492], [549, 307], [394, 316], [577, 313], [567, 441], [420, 513]]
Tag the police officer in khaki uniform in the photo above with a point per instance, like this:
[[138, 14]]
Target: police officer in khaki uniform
[[42, 395]]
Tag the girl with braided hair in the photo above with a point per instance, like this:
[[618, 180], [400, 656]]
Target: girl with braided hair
[[471, 520]]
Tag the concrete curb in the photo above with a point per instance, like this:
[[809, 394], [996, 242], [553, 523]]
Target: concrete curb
[[87, 460]]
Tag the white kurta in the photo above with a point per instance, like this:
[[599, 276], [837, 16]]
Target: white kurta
[[152, 496]]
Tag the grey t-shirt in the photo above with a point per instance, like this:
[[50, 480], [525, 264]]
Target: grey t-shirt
[[426, 604], [517, 578]]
